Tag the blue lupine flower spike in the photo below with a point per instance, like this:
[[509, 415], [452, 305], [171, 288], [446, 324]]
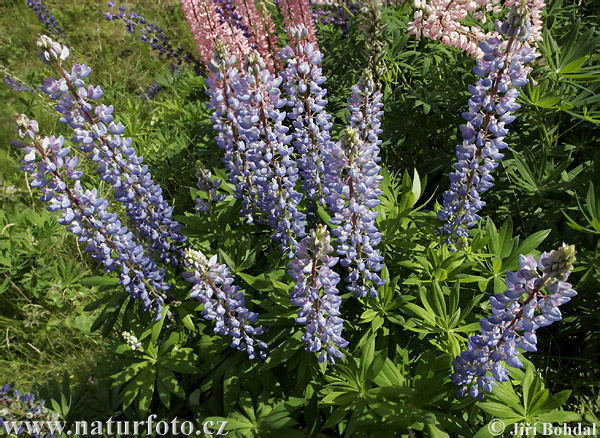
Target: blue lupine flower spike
[[317, 296], [117, 161], [224, 303], [502, 71], [87, 216], [517, 313]]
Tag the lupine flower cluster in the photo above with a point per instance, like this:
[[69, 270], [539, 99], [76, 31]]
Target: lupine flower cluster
[[132, 341], [223, 87], [352, 180], [155, 36], [249, 125], [227, 10], [444, 20], [493, 100], [117, 162], [265, 171], [273, 171], [209, 30], [15, 83], [224, 303], [16, 407], [530, 301], [87, 216], [372, 27], [240, 27], [317, 296], [262, 34], [152, 91], [47, 18]]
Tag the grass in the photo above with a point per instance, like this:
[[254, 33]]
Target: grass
[[43, 326]]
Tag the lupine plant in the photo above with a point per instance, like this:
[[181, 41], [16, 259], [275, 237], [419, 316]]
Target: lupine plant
[[305, 282]]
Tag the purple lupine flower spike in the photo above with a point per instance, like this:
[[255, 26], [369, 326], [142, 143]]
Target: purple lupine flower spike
[[517, 313], [158, 41], [224, 303], [303, 80], [86, 215], [493, 100], [352, 181], [273, 171], [46, 17], [117, 161], [317, 296], [228, 98]]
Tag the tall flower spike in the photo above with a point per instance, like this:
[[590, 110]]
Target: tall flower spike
[[317, 296], [493, 99], [303, 80], [517, 313], [352, 182], [156, 38], [229, 99], [224, 303], [209, 30], [117, 162], [274, 172], [46, 17], [86, 215]]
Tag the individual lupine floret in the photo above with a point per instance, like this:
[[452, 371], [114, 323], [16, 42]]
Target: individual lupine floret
[[208, 186], [86, 215], [117, 161], [224, 303], [352, 182], [492, 102], [16, 408], [274, 172], [317, 296], [517, 313], [303, 79]]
